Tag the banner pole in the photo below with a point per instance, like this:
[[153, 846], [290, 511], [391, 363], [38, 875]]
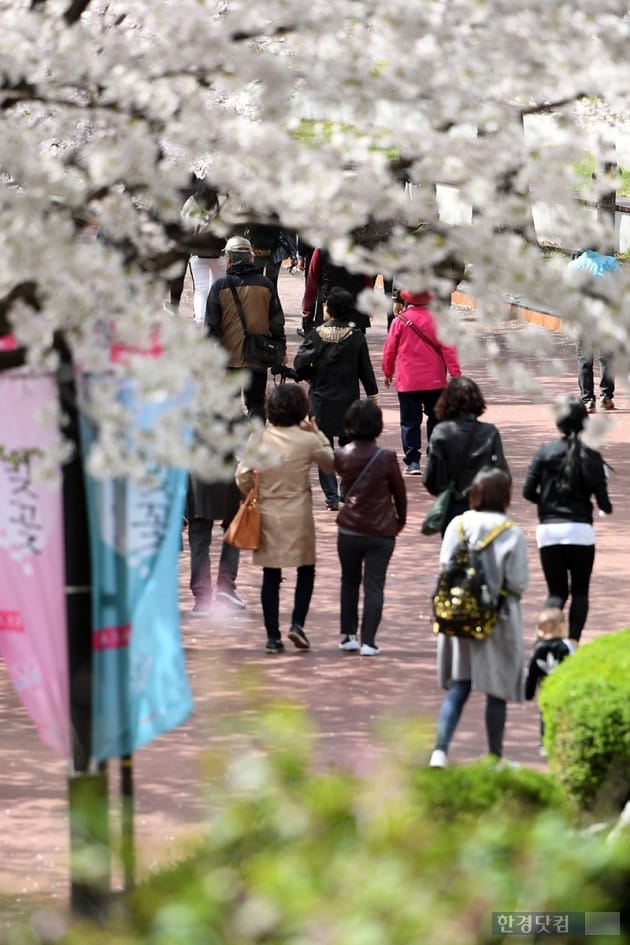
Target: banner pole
[[128, 849], [90, 853]]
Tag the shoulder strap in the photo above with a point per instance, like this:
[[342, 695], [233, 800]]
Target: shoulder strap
[[363, 471], [238, 304], [487, 539], [421, 334]]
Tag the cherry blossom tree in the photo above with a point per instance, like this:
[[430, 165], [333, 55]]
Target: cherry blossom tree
[[342, 120]]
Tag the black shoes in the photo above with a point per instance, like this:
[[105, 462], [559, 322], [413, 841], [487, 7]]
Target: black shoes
[[274, 646], [297, 636]]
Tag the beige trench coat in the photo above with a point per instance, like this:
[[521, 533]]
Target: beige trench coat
[[285, 500]]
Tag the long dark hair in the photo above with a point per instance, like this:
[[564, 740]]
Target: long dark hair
[[571, 418]]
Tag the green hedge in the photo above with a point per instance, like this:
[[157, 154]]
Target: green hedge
[[585, 704], [399, 856]]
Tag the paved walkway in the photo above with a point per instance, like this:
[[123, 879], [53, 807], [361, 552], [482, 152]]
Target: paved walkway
[[349, 697]]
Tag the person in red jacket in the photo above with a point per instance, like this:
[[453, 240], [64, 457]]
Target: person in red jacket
[[417, 362]]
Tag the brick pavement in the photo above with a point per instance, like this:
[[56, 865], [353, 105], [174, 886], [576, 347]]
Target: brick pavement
[[350, 697]]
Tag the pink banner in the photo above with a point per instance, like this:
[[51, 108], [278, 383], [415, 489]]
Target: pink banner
[[33, 637]]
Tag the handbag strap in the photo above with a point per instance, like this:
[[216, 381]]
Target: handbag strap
[[421, 334], [363, 472], [253, 492]]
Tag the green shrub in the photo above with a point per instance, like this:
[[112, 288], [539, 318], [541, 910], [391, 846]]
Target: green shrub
[[296, 857], [585, 705]]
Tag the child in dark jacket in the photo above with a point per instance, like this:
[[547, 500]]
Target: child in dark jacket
[[551, 647]]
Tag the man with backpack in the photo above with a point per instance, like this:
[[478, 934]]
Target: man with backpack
[[481, 651]]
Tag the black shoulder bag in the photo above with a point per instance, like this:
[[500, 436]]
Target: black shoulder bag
[[261, 350]]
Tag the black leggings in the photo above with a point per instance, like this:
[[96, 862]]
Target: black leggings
[[270, 597], [575, 562]]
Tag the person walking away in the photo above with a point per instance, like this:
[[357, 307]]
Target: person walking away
[[549, 650], [270, 245], [461, 445], [373, 514], [335, 359], [322, 277], [494, 665], [596, 265], [207, 263], [417, 362], [562, 478], [286, 508], [207, 503], [244, 288]]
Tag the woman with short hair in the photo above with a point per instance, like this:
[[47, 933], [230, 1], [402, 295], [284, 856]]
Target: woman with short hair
[[461, 445], [374, 512], [292, 442], [493, 665]]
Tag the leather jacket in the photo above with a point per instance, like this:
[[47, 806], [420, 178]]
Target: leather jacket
[[378, 505], [557, 503]]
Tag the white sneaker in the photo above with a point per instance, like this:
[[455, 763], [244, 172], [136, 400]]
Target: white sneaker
[[349, 643], [367, 650], [438, 759]]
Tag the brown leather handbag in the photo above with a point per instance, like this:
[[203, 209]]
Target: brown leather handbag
[[244, 530]]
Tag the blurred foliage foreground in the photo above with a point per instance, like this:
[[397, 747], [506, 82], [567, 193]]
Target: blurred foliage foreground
[[406, 855]]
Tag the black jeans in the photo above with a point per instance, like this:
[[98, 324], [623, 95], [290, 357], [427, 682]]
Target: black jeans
[[367, 556], [270, 597], [412, 404], [567, 570], [199, 541]]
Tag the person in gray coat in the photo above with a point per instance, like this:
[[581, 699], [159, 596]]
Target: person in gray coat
[[493, 665]]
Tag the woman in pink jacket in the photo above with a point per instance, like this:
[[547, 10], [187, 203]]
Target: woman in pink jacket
[[416, 360]]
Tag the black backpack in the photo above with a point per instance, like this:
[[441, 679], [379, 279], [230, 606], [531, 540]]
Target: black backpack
[[463, 605]]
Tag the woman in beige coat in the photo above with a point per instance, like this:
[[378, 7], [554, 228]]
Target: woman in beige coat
[[286, 507]]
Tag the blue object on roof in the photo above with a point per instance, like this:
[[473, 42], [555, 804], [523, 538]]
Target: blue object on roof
[[594, 263]]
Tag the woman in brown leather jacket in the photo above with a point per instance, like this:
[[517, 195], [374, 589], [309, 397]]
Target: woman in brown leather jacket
[[374, 511]]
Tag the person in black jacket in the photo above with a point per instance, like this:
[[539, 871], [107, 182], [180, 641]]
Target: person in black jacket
[[373, 514], [334, 357], [461, 445], [550, 649], [562, 477]]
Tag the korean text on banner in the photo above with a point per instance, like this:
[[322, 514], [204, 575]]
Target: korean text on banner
[[33, 634]]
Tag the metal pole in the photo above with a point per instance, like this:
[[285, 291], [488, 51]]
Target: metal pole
[[90, 857], [127, 844]]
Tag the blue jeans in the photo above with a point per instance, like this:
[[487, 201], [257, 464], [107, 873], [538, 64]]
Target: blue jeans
[[451, 709], [413, 404], [367, 556]]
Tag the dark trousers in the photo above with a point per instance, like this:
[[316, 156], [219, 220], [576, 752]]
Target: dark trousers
[[413, 405], [270, 597], [254, 393], [199, 541], [328, 481], [268, 268], [451, 710], [567, 570], [364, 556], [586, 381]]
